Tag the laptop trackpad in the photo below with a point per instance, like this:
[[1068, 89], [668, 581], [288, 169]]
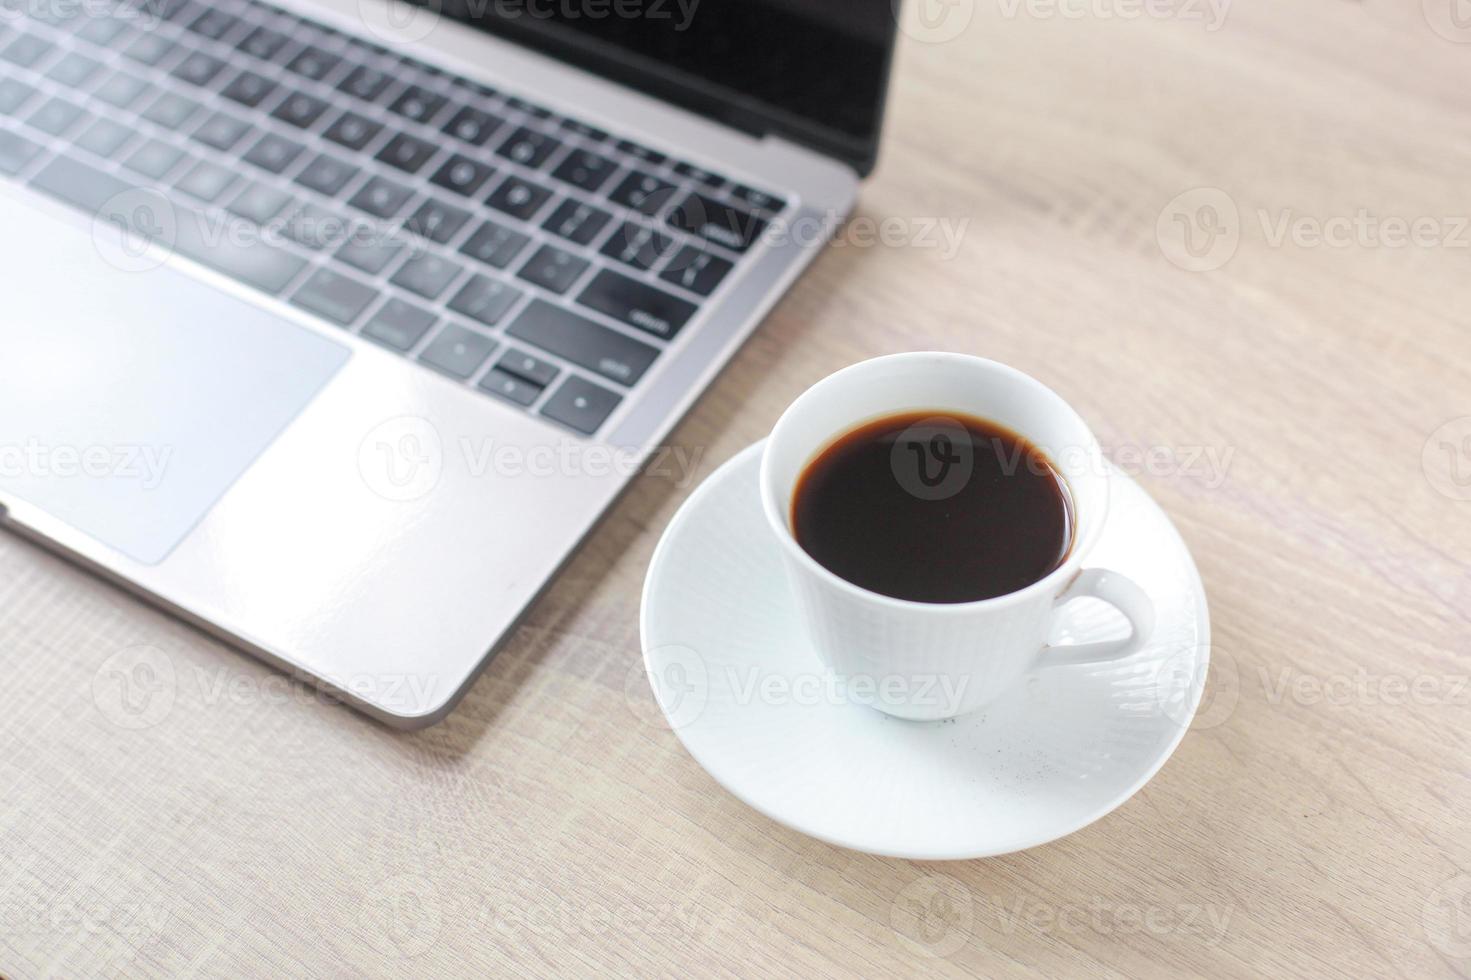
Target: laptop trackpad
[[130, 401]]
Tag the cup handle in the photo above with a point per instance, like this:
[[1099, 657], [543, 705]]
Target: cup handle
[[1118, 591]]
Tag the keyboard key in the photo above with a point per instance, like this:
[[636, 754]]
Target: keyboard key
[[579, 340], [531, 109], [74, 70], [55, 116], [461, 175], [102, 31], [495, 245], [723, 224], [121, 89], [327, 175], [652, 157], [523, 365], [589, 133], [642, 192], [198, 69], [484, 299], [171, 111], [13, 95], [213, 24], [700, 175], [406, 152], [27, 50], [381, 198], [258, 203], [418, 104], [15, 152], [760, 201], [509, 387], [254, 263], [474, 90], [149, 49], [398, 324], [273, 153], [263, 43], [553, 269], [585, 169], [78, 184], [365, 83], [427, 275], [369, 249], [221, 131], [249, 89], [174, 10], [437, 221], [154, 159], [472, 126], [313, 63], [336, 297], [299, 110], [579, 404], [104, 137], [696, 270], [317, 228], [519, 198], [207, 181], [457, 351], [577, 222], [353, 131], [637, 304], [638, 245], [528, 147]]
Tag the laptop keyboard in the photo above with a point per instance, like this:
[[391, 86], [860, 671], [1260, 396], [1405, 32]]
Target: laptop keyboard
[[535, 258]]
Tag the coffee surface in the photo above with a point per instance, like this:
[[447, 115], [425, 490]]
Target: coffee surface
[[934, 507]]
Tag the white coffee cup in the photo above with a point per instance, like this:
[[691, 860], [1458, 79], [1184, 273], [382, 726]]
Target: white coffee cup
[[928, 661]]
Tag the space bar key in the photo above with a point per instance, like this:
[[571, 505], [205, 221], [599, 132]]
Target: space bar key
[[583, 342], [212, 241]]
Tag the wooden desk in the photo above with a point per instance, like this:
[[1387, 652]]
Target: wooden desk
[[1314, 823]]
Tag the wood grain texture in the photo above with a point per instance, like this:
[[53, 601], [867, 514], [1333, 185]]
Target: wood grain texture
[[1313, 823]]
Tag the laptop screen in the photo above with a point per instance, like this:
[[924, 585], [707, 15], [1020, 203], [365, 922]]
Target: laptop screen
[[813, 71]]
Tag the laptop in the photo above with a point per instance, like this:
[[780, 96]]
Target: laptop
[[333, 326]]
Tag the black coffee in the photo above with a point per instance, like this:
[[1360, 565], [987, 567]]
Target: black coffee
[[934, 508]]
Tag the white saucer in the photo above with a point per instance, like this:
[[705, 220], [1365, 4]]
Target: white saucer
[[732, 671]]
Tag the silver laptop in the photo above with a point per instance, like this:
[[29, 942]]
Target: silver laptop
[[334, 326]]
